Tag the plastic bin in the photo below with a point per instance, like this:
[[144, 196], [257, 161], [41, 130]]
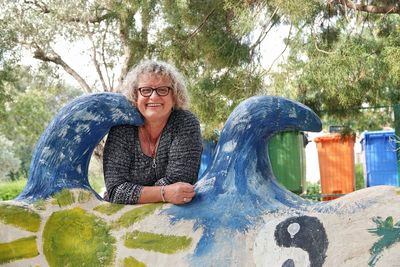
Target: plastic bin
[[336, 164], [287, 157], [380, 160]]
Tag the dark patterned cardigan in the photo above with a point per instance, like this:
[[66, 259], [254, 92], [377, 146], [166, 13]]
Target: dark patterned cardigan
[[127, 169]]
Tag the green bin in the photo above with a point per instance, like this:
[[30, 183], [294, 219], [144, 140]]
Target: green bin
[[287, 156]]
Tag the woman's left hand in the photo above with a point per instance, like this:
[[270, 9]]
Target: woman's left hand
[[179, 193]]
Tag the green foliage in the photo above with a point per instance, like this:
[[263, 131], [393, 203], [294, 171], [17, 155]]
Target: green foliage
[[167, 244], [360, 183], [6, 76], [297, 11], [210, 41], [207, 41], [26, 120], [62, 246], [96, 177], [20, 217], [216, 97], [313, 191], [340, 62], [313, 188], [339, 59], [35, 98], [9, 163], [19, 249], [10, 190], [136, 215]]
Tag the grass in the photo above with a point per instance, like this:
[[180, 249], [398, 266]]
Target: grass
[[10, 190], [313, 191], [167, 244], [95, 175], [360, 183], [136, 215], [19, 249], [76, 238], [20, 217]]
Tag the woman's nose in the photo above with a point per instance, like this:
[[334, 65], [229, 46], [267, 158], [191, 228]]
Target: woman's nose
[[154, 94]]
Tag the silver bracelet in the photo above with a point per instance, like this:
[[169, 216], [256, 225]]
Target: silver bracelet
[[162, 192]]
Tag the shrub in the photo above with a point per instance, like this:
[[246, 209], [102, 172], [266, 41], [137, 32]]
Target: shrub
[[10, 190]]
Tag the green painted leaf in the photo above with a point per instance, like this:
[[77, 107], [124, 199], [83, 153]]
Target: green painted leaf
[[132, 262], [167, 244], [109, 208], [20, 216], [19, 249], [64, 198], [136, 215]]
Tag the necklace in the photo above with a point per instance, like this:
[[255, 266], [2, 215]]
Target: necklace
[[151, 145]]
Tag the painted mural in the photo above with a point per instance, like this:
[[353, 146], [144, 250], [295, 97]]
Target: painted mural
[[240, 216]]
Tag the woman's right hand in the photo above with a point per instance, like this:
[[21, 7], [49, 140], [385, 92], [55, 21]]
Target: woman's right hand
[[179, 193]]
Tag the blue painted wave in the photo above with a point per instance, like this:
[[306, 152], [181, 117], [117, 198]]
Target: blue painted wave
[[239, 186], [62, 154], [235, 191]]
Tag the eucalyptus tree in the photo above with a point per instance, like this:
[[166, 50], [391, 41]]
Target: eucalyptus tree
[[210, 41], [344, 57]]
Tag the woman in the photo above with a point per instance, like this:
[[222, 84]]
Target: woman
[[159, 161]]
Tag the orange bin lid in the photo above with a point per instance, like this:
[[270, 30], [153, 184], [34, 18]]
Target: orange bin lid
[[334, 137]]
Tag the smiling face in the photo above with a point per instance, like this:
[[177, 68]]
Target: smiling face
[[155, 108]]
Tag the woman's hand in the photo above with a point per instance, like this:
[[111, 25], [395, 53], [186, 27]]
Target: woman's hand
[[179, 193]]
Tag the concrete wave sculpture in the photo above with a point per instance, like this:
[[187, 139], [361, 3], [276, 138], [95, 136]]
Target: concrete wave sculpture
[[241, 216]]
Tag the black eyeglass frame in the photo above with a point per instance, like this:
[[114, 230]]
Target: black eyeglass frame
[[154, 89]]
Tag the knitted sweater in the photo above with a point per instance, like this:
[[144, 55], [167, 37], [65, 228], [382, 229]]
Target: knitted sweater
[[127, 169]]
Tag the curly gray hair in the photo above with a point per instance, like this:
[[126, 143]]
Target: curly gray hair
[[180, 93]]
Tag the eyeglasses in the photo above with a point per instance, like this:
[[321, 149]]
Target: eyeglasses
[[148, 91]]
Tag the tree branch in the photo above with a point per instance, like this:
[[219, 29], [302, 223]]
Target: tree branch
[[94, 58], [123, 34], [265, 30], [388, 9], [42, 6], [45, 10], [198, 29], [283, 51], [56, 59], [103, 57]]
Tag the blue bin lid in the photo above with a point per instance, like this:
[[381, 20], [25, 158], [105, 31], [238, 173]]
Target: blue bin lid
[[376, 134]]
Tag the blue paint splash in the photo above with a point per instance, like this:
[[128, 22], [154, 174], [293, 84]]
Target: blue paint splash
[[62, 154]]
